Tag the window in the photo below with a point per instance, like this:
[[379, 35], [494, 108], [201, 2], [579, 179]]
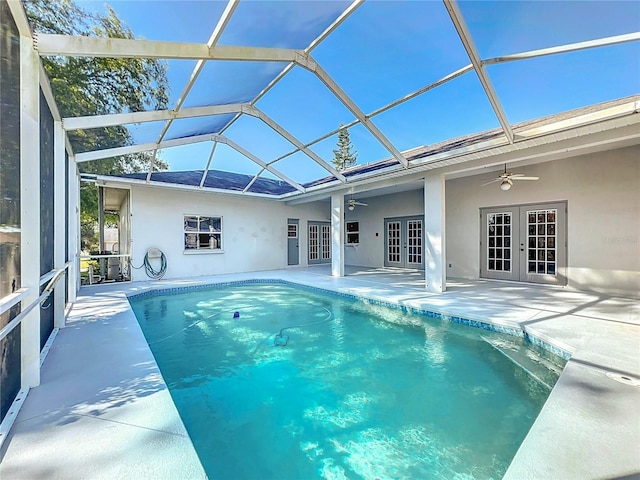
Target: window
[[499, 242], [541, 241], [202, 233], [353, 233], [292, 230]]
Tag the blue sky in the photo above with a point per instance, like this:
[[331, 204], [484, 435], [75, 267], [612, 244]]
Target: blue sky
[[385, 50]]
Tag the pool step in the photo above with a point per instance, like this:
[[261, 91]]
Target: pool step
[[540, 368]]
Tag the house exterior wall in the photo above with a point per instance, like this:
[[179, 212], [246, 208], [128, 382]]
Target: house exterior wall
[[370, 251], [602, 191], [254, 231]]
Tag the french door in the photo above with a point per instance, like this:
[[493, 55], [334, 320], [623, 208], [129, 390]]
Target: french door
[[525, 243], [319, 242], [404, 242]]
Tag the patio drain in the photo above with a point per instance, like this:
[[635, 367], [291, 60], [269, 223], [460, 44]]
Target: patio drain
[[626, 379]]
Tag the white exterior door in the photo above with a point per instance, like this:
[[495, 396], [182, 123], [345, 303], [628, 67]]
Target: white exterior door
[[525, 243], [319, 235], [404, 242]]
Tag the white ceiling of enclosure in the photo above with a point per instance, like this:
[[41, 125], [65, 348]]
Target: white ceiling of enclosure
[[261, 88]]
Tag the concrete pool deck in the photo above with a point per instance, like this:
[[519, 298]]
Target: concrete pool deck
[[103, 411]]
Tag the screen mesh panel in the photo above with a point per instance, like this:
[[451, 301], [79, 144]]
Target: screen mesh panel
[[10, 368]]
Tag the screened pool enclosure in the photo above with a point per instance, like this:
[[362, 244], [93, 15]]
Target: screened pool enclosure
[[258, 93]]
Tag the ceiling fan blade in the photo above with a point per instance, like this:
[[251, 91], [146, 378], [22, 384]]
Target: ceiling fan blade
[[525, 178], [361, 204], [492, 181]]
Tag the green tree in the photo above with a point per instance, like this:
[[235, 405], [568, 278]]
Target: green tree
[[99, 86], [344, 156]]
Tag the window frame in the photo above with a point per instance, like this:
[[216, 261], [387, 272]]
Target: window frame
[[198, 232], [353, 233]]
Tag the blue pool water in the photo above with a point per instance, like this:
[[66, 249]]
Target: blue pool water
[[304, 385]]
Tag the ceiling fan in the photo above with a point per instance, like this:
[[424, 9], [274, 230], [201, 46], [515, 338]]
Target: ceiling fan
[[506, 179], [351, 205]]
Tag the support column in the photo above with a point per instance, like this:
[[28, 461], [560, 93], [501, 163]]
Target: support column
[[73, 274], [434, 233], [30, 208], [59, 174], [101, 230], [337, 235]]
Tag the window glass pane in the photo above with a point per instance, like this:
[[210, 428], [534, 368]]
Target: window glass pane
[[352, 226], [205, 224], [191, 224], [190, 241]]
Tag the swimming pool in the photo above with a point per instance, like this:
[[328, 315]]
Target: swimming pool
[[276, 381]]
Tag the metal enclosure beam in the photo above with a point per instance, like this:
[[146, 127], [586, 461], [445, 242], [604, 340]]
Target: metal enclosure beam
[[206, 170], [255, 112], [308, 63], [99, 121], [80, 46], [474, 56], [30, 246], [570, 47], [255, 159]]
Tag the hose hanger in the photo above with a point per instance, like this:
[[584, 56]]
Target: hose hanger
[[153, 254]]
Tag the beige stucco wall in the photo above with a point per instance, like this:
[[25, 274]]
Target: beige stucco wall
[[370, 252], [603, 223], [254, 231]]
